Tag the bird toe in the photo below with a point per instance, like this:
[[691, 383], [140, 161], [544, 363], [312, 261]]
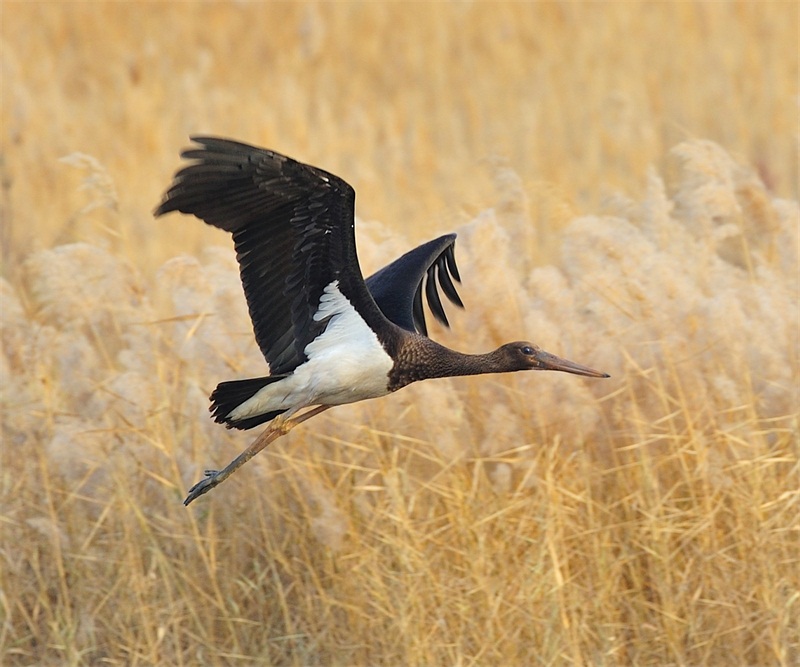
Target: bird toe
[[203, 486]]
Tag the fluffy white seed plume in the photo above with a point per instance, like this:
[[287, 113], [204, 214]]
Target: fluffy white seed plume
[[80, 284]]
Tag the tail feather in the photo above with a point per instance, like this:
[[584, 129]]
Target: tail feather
[[230, 395]]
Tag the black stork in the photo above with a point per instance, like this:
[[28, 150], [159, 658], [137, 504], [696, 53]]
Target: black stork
[[329, 336]]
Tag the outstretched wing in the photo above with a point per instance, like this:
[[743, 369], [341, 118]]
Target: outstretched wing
[[293, 229], [397, 288]]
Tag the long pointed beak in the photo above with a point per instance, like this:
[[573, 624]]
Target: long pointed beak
[[550, 362]]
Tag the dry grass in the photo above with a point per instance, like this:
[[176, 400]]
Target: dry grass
[[517, 520]]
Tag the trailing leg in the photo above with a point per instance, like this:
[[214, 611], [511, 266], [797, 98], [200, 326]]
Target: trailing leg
[[276, 429]]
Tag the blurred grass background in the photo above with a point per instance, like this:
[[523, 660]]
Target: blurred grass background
[[649, 519]]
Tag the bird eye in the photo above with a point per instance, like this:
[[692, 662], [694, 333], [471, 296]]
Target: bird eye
[[527, 350]]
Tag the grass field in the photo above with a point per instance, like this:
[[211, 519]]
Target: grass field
[[624, 181]]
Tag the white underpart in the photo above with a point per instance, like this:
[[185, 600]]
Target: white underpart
[[346, 363]]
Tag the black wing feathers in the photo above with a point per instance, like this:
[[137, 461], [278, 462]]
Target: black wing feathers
[[293, 229], [397, 288]]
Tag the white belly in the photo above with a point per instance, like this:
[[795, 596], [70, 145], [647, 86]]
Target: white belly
[[346, 363]]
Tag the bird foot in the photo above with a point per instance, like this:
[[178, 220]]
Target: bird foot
[[212, 478]]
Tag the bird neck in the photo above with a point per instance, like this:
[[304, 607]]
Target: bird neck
[[423, 359], [451, 363]]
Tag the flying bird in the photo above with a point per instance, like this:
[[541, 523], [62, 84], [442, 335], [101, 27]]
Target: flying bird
[[329, 336]]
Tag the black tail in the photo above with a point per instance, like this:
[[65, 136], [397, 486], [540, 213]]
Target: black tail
[[230, 395]]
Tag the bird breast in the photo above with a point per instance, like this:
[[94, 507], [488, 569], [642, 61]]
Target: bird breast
[[346, 362]]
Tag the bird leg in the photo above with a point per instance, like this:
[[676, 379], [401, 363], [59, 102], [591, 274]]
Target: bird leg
[[276, 429]]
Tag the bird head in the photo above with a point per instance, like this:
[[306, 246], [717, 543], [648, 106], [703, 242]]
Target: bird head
[[522, 355]]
